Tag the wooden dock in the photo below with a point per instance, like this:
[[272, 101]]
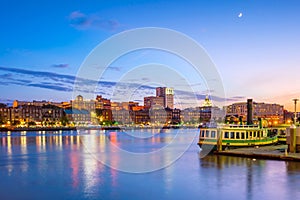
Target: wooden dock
[[274, 152]]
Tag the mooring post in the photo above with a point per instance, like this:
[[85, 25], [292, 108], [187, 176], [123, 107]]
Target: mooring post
[[292, 145], [219, 141]]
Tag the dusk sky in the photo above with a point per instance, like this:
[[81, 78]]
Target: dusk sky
[[255, 44]]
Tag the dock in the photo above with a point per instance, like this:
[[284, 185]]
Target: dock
[[273, 152]]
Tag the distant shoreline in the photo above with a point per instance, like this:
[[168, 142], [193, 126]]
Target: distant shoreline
[[18, 129]]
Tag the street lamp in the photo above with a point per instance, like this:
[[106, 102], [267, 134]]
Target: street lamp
[[295, 115]]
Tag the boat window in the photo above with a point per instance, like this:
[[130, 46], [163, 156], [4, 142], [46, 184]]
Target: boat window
[[250, 134], [207, 133], [226, 134], [202, 133], [232, 135], [237, 135], [247, 135], [254, 133], [213, 134], [242, 135]]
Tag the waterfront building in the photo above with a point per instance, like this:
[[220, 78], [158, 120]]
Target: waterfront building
[[190, 115], [122, 116], [203, 114], [140, 116], [153, 101], [159, 115], [209, 113], [123, 105], [102, 103], [176, 116], [168, 96], [82, 104], [17, 103], [273, 113], [30, 114], [78, 117]]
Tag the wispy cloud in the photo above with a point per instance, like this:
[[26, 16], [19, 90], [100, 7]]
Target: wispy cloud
[[48, 80], [114, 68], [60, 65], [84, 21], [111, 89]]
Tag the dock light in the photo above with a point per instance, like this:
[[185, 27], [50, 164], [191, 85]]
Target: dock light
[[295, 114]]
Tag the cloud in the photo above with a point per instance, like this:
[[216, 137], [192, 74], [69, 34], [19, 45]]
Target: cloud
[[60, 65], [83, 21], [50, 86], [111, 89], [49, 80], [114, 68]]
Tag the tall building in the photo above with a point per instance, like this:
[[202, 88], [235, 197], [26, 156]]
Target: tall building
[[168, 96]]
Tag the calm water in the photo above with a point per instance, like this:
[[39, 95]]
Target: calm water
[[68, 165]]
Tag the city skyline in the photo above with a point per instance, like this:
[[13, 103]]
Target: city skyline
[[254, 44]]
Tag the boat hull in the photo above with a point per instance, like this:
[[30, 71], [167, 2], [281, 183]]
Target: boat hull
[[231, 144]]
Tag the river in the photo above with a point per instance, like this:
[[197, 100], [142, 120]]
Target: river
[[161, 164]]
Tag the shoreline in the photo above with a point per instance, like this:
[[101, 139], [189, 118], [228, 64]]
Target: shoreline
[[18, 129], [274, 152]]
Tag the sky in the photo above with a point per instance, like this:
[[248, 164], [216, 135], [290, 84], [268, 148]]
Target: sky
[[254, 45]]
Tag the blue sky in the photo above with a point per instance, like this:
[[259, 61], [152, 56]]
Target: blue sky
[[43, 43]]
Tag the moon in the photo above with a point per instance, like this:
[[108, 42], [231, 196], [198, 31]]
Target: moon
[[240, 15]]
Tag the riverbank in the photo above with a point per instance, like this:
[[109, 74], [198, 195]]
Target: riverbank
[[17, 129], [63, 128], [274, 152]]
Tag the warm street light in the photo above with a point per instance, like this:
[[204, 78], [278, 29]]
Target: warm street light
[[295, 101]]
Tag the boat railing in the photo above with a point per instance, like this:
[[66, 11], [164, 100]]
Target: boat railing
[[238, 126]]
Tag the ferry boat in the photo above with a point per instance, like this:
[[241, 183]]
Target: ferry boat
[[234, 136]]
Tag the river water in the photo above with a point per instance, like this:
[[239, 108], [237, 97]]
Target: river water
[[92, 165]]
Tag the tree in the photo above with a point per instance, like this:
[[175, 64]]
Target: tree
[[64, 120], [241, 120], [16, 122], [31, 123]]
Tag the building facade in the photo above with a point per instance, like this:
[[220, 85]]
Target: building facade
[[273, 113]]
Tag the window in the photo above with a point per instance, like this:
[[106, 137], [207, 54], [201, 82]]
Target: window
[[250, 134], [226, 134], [202, 133], [231, 135], [207, 133], [254, 134], [247, 136], [213, 134], [237, 135], [242, 135]]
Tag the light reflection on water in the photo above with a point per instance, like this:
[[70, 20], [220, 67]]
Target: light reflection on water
[[47, 165]]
